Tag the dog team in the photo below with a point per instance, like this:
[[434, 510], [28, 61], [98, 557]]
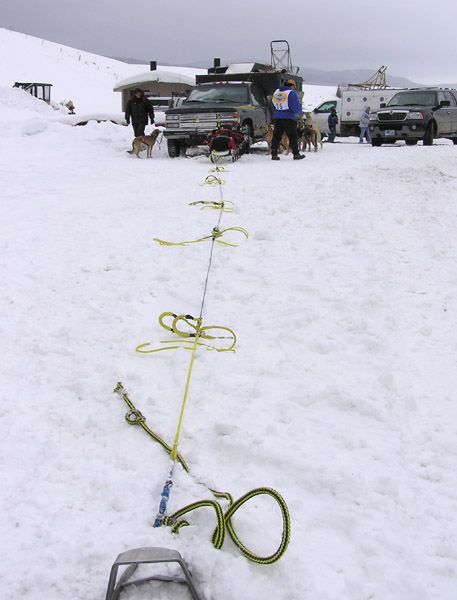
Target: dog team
[[290, 130]]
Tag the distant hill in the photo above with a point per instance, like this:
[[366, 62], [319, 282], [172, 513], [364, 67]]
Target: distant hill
[[350, 76], [130, 61], [334, 77]]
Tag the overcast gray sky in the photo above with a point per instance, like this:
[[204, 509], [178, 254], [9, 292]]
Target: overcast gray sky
[[415, 39]]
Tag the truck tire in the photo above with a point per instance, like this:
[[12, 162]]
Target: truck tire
[[411, 142], [174, 148], [428, 136], [376, 143], [454, 140]]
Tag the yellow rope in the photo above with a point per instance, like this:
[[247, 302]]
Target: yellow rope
[[215, 205], [213, 180], [224, 522], [204, 333], [135, 417], [215, 235], [190, 331], [174, 451]]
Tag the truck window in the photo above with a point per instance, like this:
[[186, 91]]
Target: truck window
[[451, 97], [258, 96], [413, 98], [326, 107], [441, 97], [224, 92]]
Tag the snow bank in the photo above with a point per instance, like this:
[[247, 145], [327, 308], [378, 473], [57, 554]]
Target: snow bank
[[86, 78], [313, 95]]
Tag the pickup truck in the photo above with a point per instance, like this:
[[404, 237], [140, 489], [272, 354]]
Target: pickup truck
[[416, 114], [225, 98]]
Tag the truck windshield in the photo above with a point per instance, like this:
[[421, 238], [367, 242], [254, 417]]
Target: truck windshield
[[413, 99], [220, 93]]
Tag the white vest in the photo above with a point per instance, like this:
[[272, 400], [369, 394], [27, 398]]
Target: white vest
[[280, 99]]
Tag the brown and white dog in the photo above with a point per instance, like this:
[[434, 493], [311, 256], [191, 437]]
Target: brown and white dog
[[146, 140], [267, 132], [311, 134]]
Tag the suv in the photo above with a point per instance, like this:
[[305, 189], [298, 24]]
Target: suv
[[416, 114]]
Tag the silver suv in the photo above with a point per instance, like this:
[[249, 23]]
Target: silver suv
[[418, 114]]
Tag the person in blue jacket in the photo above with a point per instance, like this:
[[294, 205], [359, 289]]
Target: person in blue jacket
[[332, 123], [286, 109]]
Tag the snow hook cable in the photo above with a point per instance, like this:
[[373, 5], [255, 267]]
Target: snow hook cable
[[191, 333]]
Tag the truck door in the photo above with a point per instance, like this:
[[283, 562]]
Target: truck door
[[443, 115], [320, 114], [259, 100], [453, 109]]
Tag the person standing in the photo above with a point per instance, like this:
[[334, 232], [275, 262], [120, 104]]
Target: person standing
[[363, 124], [332, 123], [286, 109], [138, 109]]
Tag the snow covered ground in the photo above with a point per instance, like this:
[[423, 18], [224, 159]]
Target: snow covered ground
[[341, 394]]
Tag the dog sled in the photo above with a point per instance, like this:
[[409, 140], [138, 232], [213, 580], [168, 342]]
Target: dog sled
[[225, 141]]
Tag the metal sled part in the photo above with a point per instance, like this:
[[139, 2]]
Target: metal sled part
[[140, 556]]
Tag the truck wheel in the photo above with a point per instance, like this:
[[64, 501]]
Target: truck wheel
[[428, 137], [454, 140], [174, 148], [411, 142], [376, 143]]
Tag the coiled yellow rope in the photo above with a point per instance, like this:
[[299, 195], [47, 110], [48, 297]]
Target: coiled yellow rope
[[185, 336]]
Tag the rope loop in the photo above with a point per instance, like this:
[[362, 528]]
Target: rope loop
[[134, 417], [216, 233], [187, 328], [213, 180], [224, 522], [224, 205]]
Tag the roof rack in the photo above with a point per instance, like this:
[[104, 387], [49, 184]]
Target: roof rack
[[375, 82], [281, 59]]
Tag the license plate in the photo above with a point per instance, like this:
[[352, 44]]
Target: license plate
[[390, 132]]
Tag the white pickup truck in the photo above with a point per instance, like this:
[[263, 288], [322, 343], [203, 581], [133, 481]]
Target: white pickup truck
[[349, 107]]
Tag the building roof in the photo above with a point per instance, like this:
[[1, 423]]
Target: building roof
[[161, 76]]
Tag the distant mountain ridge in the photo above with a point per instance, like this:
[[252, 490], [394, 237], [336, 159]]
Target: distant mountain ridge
[[317, 76]]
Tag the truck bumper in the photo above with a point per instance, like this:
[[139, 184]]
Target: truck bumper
[[192, 138], [392, 132]]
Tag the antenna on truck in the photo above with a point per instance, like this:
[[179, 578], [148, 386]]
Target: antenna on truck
[[280, 56]]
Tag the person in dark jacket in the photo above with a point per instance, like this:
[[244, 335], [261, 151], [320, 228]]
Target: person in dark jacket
[[138, 109], [286, 109], [332, 123]]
